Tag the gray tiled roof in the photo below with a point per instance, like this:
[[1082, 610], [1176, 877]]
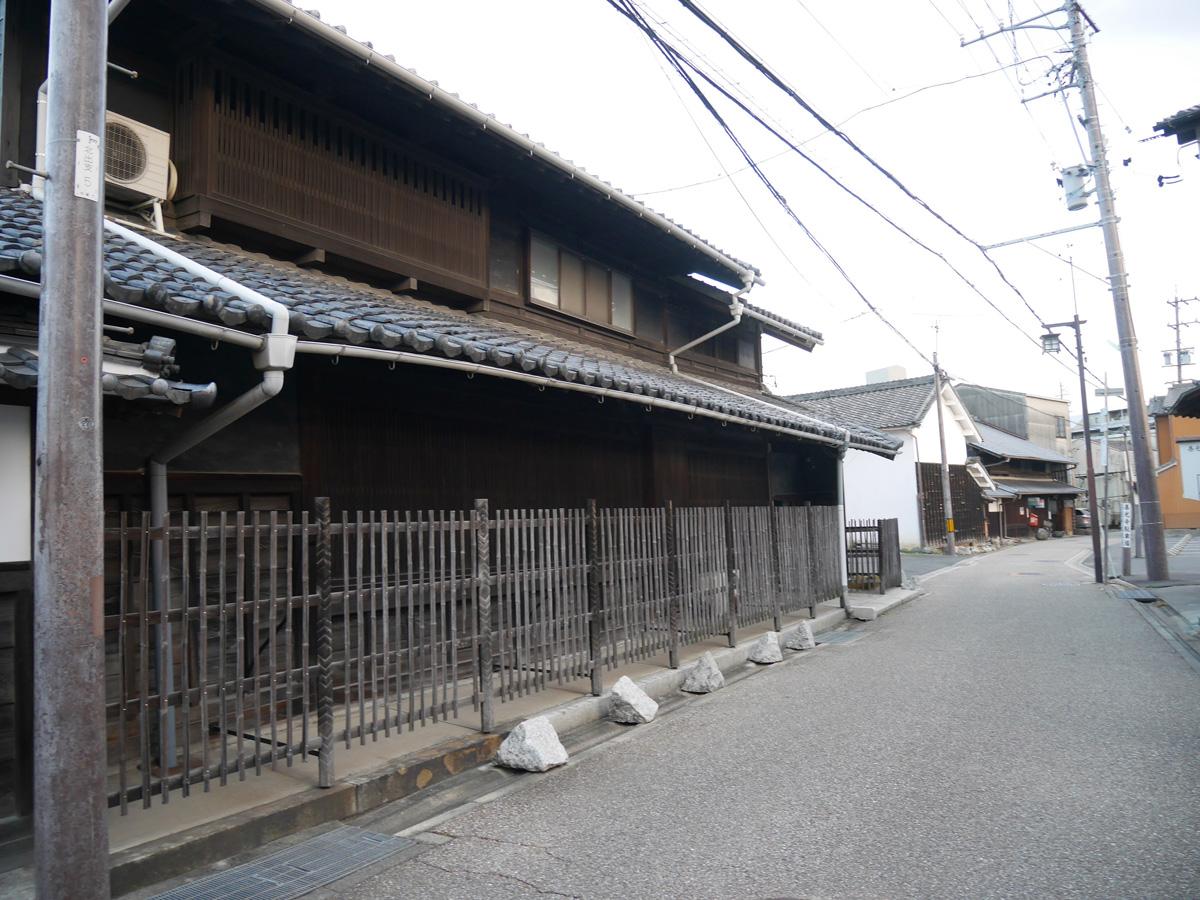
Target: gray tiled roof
[[770, 318], [888, 404], [324, 307], [130, 371], [1183, 119], [1000, 443], [1031, 487]]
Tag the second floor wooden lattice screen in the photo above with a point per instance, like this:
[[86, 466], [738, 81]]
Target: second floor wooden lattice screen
[[251, 149]]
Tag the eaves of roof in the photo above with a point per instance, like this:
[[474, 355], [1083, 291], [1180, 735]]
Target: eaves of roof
[[130, 371], [1185, 119], [337, 36], [999, 442], [328, 308]]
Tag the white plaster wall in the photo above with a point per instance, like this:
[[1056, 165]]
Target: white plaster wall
[[877, 488], [928, 445], [16, 491]]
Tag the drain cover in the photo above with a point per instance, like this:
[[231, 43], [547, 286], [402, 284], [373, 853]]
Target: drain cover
[[295, 871], [840, 637], [1137, 594]]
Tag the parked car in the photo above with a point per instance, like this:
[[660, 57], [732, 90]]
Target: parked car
[[1083, 521]]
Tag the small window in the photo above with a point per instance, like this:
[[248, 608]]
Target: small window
[[571, 291], [579, 286], [746, 357], [543, 272], [622, 301], [1060, 427], [504, 263]]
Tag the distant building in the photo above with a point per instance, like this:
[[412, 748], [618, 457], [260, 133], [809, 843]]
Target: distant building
[[910, 488], [1041, 420]]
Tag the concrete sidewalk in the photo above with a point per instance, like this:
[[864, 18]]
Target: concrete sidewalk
[[150, 845]]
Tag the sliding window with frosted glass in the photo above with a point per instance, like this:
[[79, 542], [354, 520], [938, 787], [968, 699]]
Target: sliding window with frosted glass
[[543, 272], [579, 286]]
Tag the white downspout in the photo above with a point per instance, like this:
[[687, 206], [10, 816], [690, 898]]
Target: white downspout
[[273, 358], [735, 311]]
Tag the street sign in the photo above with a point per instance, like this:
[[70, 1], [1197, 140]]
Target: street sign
[[1126, 525]]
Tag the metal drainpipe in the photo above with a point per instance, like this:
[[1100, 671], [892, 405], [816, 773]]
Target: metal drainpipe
[[273, 358], [735, 310]]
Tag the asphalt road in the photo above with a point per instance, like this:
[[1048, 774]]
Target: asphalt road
[[1016, 733], [915, 564]]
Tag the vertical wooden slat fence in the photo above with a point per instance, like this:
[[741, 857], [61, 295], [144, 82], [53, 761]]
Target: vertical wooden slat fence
[[873, 554], [265, 639]]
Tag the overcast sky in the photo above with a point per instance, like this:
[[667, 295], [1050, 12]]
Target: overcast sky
[[578, 77]]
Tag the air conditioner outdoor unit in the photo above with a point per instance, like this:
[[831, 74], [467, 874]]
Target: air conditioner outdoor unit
[[137, 159]]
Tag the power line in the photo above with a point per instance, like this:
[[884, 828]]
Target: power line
[[749, 207], [770, 75], [841, 46], [822, 133], [626, 8]]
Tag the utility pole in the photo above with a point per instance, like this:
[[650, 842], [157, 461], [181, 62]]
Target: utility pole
[[1050, 343], [1182, 353], [70, 797], [947, 505], [1151, 508]]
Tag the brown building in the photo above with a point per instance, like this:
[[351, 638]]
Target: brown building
[[327, 277], [1177, 427]]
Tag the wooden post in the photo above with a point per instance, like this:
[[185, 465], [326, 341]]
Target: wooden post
[[776, 569], [324, 645], [733, 576], [879, 554], [597, 618], [674, 604], [483, 594]]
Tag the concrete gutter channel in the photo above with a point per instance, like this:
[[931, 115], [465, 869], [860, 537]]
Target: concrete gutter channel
[[450, 777]]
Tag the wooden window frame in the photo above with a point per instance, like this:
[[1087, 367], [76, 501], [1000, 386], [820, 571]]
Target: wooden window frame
[[630, 333]]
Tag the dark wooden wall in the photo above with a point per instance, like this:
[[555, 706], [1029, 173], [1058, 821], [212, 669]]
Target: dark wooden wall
[[408, 438]]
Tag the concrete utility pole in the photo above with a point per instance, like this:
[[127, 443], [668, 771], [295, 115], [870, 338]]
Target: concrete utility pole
[[1182, 353], [1151, 508], [1050, 343], [70, 805], [947, 506]]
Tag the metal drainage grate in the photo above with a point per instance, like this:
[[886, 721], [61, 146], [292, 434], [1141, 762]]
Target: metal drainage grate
[[840, 637], [1137, 594], [295, 871]]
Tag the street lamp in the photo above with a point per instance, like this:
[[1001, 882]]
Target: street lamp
[[1052, 344]]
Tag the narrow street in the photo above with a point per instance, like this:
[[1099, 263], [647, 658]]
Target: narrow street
[[1016, 732]]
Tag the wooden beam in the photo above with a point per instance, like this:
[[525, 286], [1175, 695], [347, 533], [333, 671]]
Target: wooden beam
[[314, 256], [404, 286]]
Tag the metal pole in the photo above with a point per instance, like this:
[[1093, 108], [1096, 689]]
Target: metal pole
[[1105, 450], [1127, 552], [1151, 508], [1097, 559], [947, 506], [70, 804]]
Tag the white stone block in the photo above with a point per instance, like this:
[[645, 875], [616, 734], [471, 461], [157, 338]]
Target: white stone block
[[704, 677], [533, 746], [630, 705], [801, 638], [766, 650]]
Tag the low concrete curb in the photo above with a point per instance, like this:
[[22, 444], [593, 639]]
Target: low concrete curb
[[662, 684], [172, 856], [869, 607]]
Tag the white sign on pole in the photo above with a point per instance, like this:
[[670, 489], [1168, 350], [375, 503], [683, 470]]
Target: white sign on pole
[[1126, 525]]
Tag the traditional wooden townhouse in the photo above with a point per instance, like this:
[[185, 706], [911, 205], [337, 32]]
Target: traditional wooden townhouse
[[911, 491], [326, 277]]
